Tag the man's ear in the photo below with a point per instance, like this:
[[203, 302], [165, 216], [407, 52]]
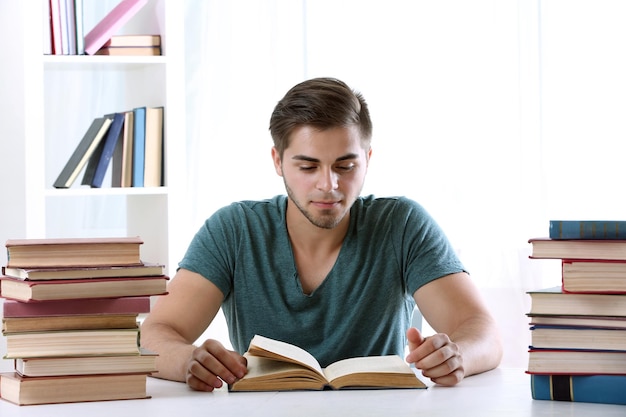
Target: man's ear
[[278, 166]]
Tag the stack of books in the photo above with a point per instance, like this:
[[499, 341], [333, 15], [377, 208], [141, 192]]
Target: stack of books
[[578, 329], [70, 319]]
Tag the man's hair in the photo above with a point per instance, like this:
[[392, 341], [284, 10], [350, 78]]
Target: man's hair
[[323, 103]]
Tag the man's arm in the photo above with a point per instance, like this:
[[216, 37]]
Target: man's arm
[[467, 340], [176, 322]]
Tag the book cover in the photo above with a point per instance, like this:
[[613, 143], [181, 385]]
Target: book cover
[[153, 165], [34, 274], [276, 365], [576, 362], [47, 27], [109, 143], [67, 389], [55, 22], [122, 163], [601, 322], [603, 389], [72, 322], [127, 305], [593, 276], [90, 169], [133, 40], [80, 29], [129, 51], [139, 143], [588, 229], [553, 301], [107, 27], [564, 337], [73, 252], [607, 249], [83, 152], [28, 291]]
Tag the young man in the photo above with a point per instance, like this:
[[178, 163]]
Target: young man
[[322, 268]]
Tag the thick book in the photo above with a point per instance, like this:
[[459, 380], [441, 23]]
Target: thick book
[[70, 322], [139, 143], [36, 274], [67, 389], [129, 50], [601, 389], [579, 362], [127, 305], [73, 252], [562, 337], [108, 146], [27, 291], [602, 322], [72, 343], [145, 362], [593, 276], [90, 168], [122, 163], [153, 157], [587, 229], [556, 302], [133, 40], [277, 366], [546, 248], [87, 145], [109, 25]]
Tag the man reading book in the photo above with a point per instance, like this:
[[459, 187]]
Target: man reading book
[[324, 268]]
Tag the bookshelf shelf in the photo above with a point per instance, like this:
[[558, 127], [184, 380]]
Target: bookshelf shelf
[[53, 100]]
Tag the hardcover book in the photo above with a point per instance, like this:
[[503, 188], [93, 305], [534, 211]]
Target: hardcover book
[[153, 165], [602, 389], [545, 248], [127, 305], [35, 274], [578, 362], [27, 291], [560, 337], [139, 143], [133, 40], [593, 276], [553, 301], [73, 252], [70, 322], [130, 51], [587, 229], [275, 366], [103, 160], [67, 389], [578, 321]]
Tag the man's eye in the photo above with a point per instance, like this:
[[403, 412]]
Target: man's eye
[[345, 168], [306, 168]]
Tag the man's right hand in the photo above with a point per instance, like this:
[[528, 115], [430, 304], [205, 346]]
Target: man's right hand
[[212, 364]]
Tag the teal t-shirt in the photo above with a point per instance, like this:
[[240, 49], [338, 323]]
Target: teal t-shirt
[[364, 305]]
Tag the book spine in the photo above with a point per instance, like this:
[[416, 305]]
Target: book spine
[[579, 229], [605, 389]]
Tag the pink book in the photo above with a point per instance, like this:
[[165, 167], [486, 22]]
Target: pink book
[[116, 18], [129, 305]]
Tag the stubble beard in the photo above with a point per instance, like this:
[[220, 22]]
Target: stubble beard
[[325, 221]]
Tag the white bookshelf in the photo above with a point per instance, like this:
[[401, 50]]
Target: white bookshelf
[[48, 101]]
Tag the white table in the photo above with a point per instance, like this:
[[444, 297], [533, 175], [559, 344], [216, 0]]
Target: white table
[[501, 392]]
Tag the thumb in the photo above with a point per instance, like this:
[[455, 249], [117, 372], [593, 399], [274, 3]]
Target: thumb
[[414, 338]]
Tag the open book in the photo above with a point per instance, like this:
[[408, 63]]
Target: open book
[[278, 366]]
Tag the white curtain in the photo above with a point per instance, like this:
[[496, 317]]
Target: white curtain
[[496, 115]]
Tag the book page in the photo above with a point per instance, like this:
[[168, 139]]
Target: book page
[[275, 349], [370, 364]]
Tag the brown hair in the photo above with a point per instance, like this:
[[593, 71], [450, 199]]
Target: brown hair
[[321, 102]]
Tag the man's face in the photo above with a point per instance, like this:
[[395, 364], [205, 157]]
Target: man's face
[[324, 172]]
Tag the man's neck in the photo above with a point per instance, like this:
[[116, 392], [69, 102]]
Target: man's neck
[[309, 238]]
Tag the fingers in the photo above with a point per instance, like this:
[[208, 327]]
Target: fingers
[[211, 365], [437, 357]]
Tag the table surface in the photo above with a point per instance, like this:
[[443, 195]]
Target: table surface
[[501, 392]]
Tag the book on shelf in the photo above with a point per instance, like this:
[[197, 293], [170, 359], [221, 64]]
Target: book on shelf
[[153, 156], [578, 321], [29, 291], [602, 389], [79, 27], [139, 143], [55, 27], [275, 365], [593, 276], [73, 252], [88, 144], [122, 163], [108, 146], [125, 305], [145, 362], [46, 25], [577, 362], [71, 322], [561, 337], [108, 26], [546, 248], [69, 26], [90, 167], [117, 41], [553, 301], [587, 229], [75, 388], [72, 343], [129, 51], [145, 269]]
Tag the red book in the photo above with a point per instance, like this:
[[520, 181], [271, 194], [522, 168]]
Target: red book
[[116, 18], [17, 289], [128, 305]]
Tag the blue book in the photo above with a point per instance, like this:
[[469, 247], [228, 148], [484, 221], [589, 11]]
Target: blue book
[[588, 229], [139, 146], [109, 143], [605, 389]]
